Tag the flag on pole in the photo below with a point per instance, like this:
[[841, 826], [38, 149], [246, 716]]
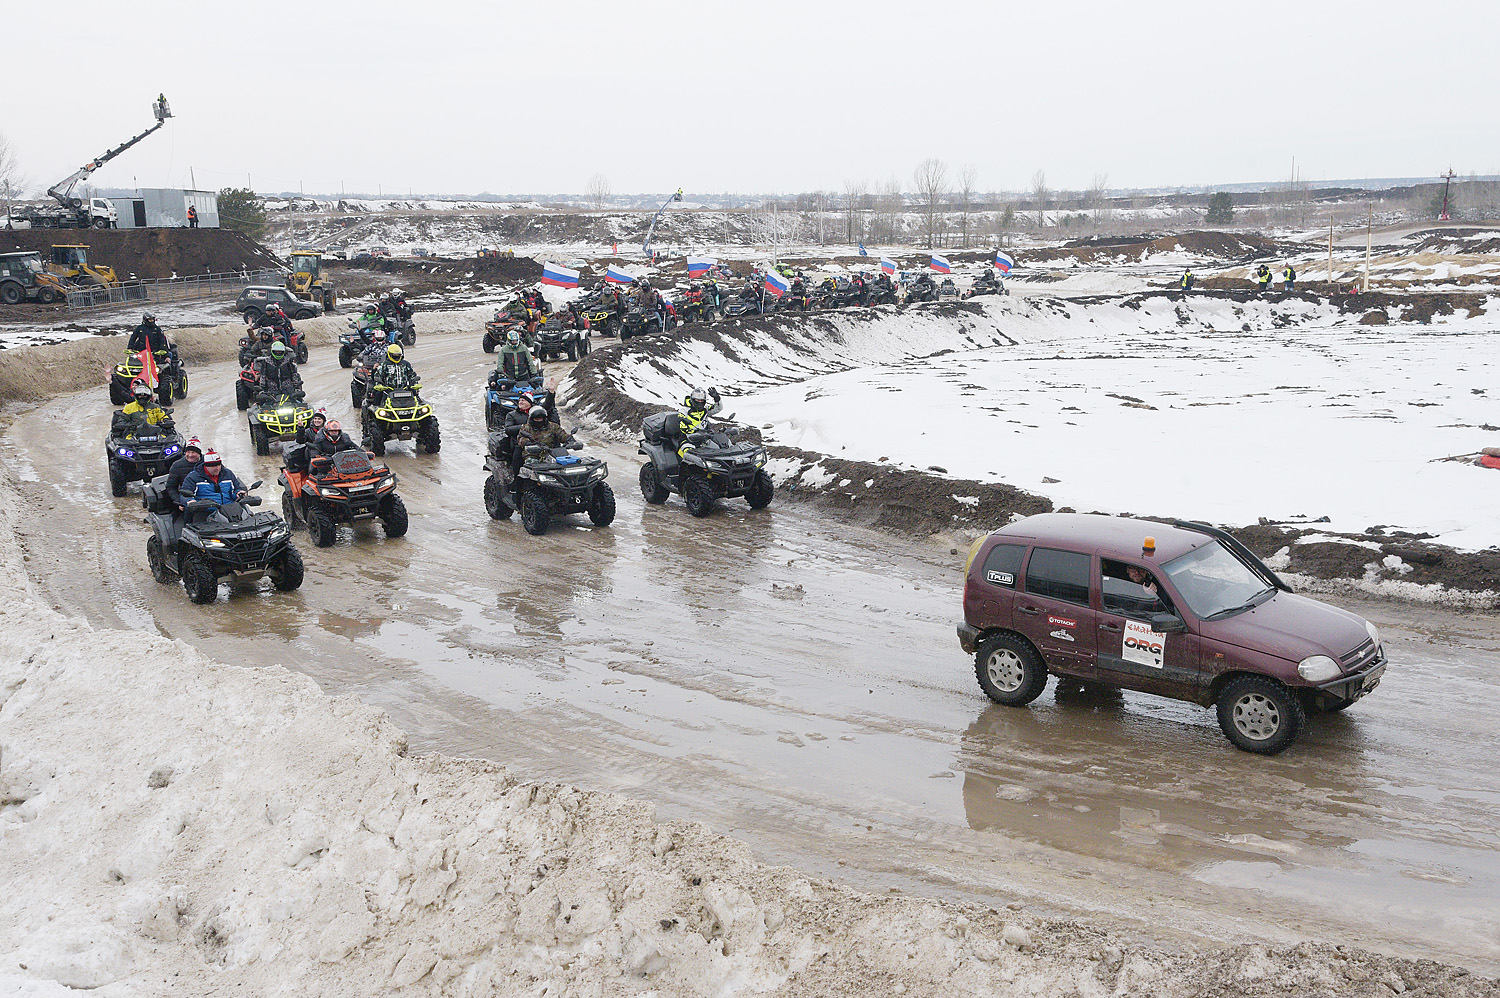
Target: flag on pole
[[777, 285], [941, 264], [559, 276], [614, 249], [1003, 262], [614, 275], [862, 250], [888, 265], [148, 368], [698, 266]]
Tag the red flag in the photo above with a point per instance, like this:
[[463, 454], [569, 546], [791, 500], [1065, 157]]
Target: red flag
[[616, 249], [148, 367]]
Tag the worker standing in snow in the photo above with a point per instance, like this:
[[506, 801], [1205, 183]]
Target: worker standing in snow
[[1186, 283], [1288, 278], [1263, 278]]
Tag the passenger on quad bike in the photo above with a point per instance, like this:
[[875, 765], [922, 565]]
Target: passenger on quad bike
[[192, 457], [212, 481], [394, 307], [143, 408], [538, 431], [515, 362], [314, 427], [276, 375], [535, 300]]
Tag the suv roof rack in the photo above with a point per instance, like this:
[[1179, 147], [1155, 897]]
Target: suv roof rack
[[1239, 550]]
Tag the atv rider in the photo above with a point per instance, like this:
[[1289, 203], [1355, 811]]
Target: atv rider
[[535, 300], [276, 375], [143, 410], [212, 481], [924, 284], [331, 441], [516, 362], [539, 431], [393, 374], [694, 417], [274, 319], [148, 336], [314, 427], [192, 457], [394, 307]]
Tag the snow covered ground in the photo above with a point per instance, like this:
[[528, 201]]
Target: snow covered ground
[[1207, 409]]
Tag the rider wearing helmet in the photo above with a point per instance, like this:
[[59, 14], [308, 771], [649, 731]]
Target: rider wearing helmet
[[516, 362], [143, 406], [332, 440], [696, 410], [539, 431], [395, 373], [148, 336], [276, 374]]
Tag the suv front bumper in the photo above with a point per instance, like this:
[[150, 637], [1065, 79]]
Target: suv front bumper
[[1354, 686], [968, 638]]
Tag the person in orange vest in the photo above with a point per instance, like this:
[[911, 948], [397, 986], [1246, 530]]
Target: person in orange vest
[[192, 217]]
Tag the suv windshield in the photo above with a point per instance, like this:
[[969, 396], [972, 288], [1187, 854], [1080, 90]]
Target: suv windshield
[[1212, 581]]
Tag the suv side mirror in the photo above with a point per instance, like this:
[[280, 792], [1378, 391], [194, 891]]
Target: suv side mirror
[[1167, 623]]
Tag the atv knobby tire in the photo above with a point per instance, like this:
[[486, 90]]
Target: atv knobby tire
[[321, 528], [393, 517], [429, 437], [374, 439], [602, 505], [652, 490], [117, 481], [157, 559], [261, 439], [535, 516], [346, 355], [493, 503], [288, 509], [241, 396], [700, 497], [198, 579], [761, 491], [287, 570]]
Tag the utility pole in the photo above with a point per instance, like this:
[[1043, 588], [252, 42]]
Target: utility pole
[[1331, 288], [1369, 237], [1447, 183]]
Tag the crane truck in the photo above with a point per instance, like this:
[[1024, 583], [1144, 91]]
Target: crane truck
[[76, 212]]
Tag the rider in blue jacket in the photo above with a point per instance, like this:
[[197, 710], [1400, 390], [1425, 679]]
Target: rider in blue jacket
[[212, 481]]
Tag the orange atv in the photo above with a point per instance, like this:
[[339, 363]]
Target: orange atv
[[344, 488]]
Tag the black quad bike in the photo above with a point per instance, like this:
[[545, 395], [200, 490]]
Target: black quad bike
[[922, 289], [137, 451], [716, 468], [344, 488], [640, 321], [565, 332], [399, 415], [210, 542], [550, 483]]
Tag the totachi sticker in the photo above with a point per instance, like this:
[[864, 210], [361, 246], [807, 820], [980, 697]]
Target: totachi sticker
[[1143, 645]]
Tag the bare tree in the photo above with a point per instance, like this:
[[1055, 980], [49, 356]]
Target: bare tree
[[598, 190], [968, 185], [888, 205], [855, 192], [931, 182], [1097, 188], [12, 183], [1039, 191]]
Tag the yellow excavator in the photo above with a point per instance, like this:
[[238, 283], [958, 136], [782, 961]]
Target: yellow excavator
[[71, 263], [307, 281]]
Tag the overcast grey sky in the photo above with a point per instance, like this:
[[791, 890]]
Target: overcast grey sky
[[454, 96]]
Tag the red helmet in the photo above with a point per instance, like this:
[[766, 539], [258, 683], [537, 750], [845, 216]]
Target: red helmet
[[332, 429]]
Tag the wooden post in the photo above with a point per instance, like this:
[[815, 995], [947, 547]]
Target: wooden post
[[1369, 236], [1332, 288]]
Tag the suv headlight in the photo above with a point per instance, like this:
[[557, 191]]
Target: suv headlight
[[1373, 633], [1318, 669]]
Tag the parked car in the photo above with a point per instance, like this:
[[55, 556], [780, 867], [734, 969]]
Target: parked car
[[254, 299], [383, 251], [1182, 611], [421, 251]]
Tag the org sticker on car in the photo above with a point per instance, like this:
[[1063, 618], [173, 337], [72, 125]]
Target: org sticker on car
[[1143, 645], [1000, 578], [1060, 621], [1062, 635]]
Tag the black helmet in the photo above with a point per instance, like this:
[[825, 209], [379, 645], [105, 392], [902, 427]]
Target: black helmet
[[645, 284], [148, 317], [538, 414], [266, 334], [141, 390]]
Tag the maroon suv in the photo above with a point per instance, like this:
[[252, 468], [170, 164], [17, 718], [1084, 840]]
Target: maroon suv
[[1183, 611]]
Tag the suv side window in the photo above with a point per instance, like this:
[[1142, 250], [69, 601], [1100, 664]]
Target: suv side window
[[1003, 564], [1062, 575]]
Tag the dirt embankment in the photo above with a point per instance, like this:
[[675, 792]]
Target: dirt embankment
[[147, 254], [1217, 245], [489, 270], [920, 503]]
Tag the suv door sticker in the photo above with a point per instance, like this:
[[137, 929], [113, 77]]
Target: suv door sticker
[[1061, 623], [1000, 578], [1143, 645]]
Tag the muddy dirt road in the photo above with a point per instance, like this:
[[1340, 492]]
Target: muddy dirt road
[[797, 684]]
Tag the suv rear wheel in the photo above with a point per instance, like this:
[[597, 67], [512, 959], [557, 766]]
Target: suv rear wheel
[[1260, 715], [1009, 670]]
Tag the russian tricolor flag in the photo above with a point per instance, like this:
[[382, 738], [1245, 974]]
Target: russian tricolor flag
[[941, 264], [888, 265], [559, 276], [776, 284], [700, 265], [1003, 263], [614, 275]]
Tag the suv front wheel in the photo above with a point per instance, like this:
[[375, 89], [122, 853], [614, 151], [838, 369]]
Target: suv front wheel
[[1009, 670], [1260, 715]]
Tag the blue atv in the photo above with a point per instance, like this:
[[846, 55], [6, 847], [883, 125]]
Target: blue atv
[[501, 395]]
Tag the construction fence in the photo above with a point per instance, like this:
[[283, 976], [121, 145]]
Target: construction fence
[[169, 289]]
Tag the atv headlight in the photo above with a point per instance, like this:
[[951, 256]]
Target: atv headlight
[[213, 542], [386, 414], [1318, 669], [125, 452], [1373, 633], [388, 480], [760, 457], [173, 449], [279, 532]]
